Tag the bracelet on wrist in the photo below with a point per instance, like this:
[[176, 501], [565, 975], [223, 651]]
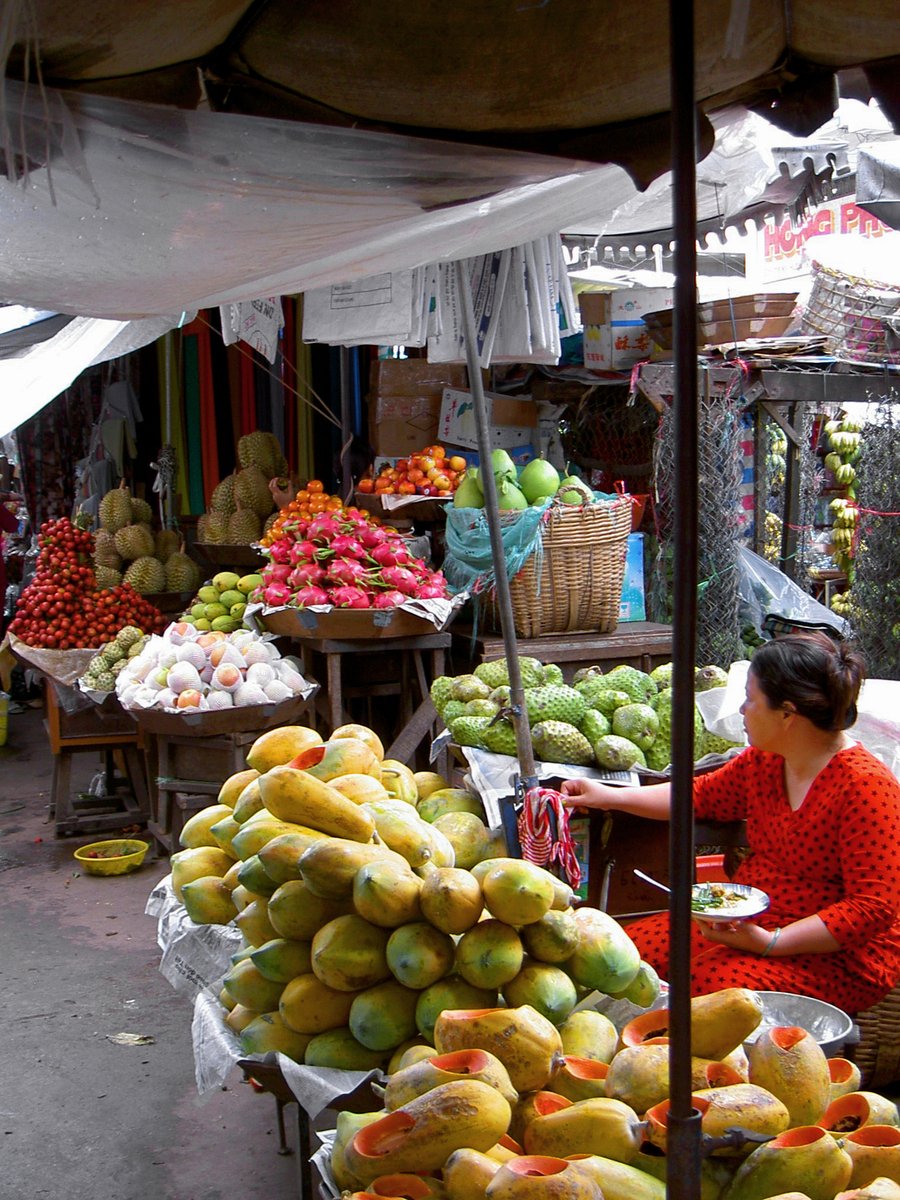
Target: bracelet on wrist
[[771, 946]]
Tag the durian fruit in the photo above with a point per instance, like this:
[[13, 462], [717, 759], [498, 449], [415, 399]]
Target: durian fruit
[[212, 527], [251, 490], [244, 527], [105, 553], [115, 509], [107, 577], [270, 521], [222, 499], [146, 574], [141, 512], [255, 450], [279, 462], [135, 541], [182, 573], [166, 543]]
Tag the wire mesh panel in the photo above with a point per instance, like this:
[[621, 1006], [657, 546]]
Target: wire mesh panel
[[875, 614], [719, 520], [612, 438]]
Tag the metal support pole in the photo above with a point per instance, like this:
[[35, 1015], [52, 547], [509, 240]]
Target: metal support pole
[[524, 750], [683, 1134]]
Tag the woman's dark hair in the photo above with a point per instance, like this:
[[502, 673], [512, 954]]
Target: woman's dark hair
[[821, 678]]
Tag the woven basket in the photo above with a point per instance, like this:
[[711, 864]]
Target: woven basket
[[575, 585], [877, 1053], [858, 317]]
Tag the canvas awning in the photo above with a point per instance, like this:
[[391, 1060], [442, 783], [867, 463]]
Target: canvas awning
[[878, 181]]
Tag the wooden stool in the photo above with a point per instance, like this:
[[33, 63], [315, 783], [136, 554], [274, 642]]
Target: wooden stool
[[110, 733], [189, 772]]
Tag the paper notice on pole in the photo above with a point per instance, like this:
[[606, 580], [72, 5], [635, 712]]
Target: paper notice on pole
[[373, 311], [256, 322]]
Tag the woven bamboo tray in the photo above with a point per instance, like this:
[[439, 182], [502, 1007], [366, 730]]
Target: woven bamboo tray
[[575, 583]]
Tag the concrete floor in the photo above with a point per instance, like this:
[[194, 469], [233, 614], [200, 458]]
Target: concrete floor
[[81, 1116]]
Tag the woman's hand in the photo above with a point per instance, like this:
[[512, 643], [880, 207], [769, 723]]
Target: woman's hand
[[739, 935], [588, 793], [281, 494]]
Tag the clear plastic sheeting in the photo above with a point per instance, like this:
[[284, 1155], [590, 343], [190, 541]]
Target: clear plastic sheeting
[[195, 958], [216, 1048], [129, 210]]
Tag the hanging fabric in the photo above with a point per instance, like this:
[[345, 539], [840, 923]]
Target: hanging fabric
[[192, 423], [208, 424]]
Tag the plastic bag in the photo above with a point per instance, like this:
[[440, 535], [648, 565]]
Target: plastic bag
[[766, 592]]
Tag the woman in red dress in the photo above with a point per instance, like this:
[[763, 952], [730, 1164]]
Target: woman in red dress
[[823, 828]]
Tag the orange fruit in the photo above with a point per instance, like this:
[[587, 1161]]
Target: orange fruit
[[367, 486], [315, 485]]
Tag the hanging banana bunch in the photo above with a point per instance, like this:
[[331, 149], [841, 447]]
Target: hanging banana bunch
[[844, 451]]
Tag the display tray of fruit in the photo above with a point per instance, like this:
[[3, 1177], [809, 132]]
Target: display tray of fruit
[[351, 624], [210, 682], [618, 719]]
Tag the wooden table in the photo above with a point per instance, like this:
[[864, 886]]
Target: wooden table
[[409, 675], [110, 733], [642, 644]]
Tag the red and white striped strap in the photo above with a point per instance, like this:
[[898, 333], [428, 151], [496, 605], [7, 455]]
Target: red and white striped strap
[[536, 835]]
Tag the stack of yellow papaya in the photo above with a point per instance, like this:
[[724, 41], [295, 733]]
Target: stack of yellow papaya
[[384, 929]]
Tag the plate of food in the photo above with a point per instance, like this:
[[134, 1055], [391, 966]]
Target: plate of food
[[727, 901]]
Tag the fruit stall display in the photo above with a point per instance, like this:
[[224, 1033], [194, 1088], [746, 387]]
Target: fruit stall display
[[241, 505], [219, 605], [344, 559], [189, 670], [385, 930], [534, 483], [126, 549], [64, 607], [429, 472], [617, 720]]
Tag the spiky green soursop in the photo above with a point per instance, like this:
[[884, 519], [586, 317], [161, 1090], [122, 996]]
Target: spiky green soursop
[[553, 673], [440, 691], [481, 708], [617, 753], [709, 677], [501, 695], [496, 672], [469, 731], [659, 755], [594, 725], [713, 744], [602, 696], [637, 722], [500, 737], [558, 741], [554, 702], [453, 709], [662, 675], [469, 687], [591, 672], [638, 684]]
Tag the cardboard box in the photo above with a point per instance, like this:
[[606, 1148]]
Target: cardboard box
[[400, 425], [414, 377], [623, 304], [616, 347], [512, 420], [633, 606]]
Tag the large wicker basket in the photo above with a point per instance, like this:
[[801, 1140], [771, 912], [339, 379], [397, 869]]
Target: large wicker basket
[[574, 582], [877, 1054]]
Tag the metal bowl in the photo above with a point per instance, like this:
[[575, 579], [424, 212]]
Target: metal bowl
[[831, 1027]]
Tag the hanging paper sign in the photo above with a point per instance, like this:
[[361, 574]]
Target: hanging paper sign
[[256, 322]]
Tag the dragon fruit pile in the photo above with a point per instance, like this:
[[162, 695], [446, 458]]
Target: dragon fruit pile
[[341, 559]]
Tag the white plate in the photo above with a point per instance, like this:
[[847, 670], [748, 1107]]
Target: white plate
[[748, 902]]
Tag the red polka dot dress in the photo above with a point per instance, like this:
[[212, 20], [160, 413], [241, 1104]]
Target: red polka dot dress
[[837, 855]]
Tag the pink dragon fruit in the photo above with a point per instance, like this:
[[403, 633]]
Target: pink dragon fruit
[[350, 597], [391, 554], [276, 594], [431, 591], [306, 573], [324, 527], [401, 579], [346, 546], [280, 550], [346, 571], [276, 572], [391, 599], [305, 597]]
